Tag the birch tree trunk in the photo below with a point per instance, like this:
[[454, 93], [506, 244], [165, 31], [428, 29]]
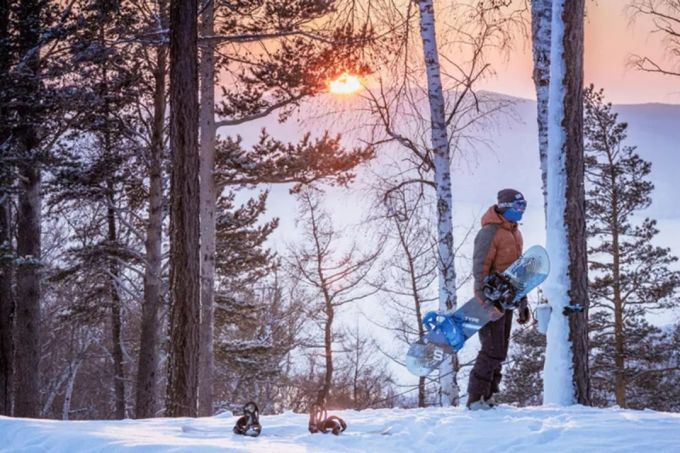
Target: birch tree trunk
[[184, 212], [147, 375], [27, 314], [442, 172], [66, 408], [208, 200], [566, 379], [541, 16]]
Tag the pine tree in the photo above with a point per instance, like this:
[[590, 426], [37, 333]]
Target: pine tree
[[301, 45], [522, 382], [97, 167], [28, 92], [630, 276], [184, 211], [6, 242]]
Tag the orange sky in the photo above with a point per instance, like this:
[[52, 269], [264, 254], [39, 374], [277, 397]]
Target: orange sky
[[610, 39]]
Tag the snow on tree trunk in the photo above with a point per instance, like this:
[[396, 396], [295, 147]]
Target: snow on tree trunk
[[442, 174], [208, 200], [566, 364], [541, 15], [147, 376], [184, 212]]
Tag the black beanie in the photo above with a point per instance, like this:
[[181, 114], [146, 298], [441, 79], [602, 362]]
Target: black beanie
[[507, 197]]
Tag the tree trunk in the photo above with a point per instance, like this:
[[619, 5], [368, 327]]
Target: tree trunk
[[322, 397], [413, 276], [27, 308], [27, 334], [566, 365], [66, 408], [147, 375], [6, 306], [442, 174], [619, 338], [208, 200], [184, 212], [541, 16], [116, 321], [576, 198], [6, 266]]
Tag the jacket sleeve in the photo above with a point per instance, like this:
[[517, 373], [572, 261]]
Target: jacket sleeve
[[483, 256]]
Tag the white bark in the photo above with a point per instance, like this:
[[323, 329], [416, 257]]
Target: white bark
[[47, 407], [566, 379], [66, 409], [541, 15], [208, 196], [442, 174]]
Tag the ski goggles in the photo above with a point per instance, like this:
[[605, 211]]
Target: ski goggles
[[517, 205]]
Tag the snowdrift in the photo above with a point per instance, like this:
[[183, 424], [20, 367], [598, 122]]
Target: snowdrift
[[505, 429]]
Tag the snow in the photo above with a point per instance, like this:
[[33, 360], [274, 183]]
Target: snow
[[557, 372], [574, 428]]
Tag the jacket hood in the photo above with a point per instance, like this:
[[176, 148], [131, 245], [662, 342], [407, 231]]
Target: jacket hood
[[493, 217]]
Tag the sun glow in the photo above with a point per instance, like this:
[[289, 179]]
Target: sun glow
[[345, 84]]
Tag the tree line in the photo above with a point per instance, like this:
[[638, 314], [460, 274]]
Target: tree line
[[135, 276]]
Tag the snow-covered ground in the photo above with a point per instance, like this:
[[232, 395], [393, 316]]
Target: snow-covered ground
[[506, 429]]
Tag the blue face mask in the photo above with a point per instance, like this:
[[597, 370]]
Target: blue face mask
[[513, 215]]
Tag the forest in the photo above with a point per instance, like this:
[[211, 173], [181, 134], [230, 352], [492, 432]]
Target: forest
[[138, 274]]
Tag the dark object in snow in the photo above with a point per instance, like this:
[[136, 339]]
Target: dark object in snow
[[446, 333], [318, 422], [571, 309], [249, 424]]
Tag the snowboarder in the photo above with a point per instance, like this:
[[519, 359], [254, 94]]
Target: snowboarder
[[497, 245]]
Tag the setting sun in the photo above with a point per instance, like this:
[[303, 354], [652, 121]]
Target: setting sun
[[345, 84]]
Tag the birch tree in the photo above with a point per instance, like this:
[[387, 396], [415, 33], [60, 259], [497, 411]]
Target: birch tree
[[566, 374], [541, 17], [454, 113]]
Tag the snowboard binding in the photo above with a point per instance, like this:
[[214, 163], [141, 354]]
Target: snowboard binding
[[320, 423], [499, 290], [448, 326], [249, 424]]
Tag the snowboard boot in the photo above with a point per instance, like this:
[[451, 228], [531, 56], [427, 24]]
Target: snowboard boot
[[481, 404]]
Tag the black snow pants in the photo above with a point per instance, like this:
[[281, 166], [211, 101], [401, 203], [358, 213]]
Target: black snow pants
[[485, 377]]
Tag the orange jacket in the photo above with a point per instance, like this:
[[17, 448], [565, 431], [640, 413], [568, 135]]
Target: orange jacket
[[497, 245]]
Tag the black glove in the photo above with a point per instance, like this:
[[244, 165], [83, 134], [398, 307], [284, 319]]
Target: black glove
[[524, 315]]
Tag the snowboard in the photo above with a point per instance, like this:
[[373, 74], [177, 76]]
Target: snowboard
[[446, 334]]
